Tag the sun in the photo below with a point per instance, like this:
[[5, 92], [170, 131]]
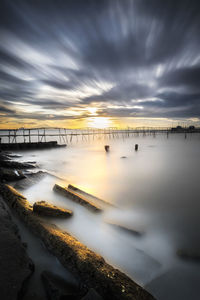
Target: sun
[[92, 110], [99, 122]]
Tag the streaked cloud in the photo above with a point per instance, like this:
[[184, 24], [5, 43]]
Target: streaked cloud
[[127, 60]]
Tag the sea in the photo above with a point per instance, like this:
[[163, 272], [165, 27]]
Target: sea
[[153, 204]]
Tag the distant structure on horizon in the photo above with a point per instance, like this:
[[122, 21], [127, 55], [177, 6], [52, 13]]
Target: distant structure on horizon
[[180, 128]]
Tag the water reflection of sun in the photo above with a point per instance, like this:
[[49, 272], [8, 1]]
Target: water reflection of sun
[[99, 122]]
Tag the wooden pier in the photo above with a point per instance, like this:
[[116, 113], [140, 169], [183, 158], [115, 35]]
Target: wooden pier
[[42, 137]]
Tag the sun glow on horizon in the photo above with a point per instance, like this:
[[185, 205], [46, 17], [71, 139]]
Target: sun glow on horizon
[[99, 122], [92, 110]]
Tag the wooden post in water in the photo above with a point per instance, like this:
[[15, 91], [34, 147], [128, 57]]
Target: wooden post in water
[[29, 135], [45, 135], [66, 137], [107, 148], [14, 136]]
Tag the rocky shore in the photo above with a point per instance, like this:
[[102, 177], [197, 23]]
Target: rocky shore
[[96, 279], [15, 265]]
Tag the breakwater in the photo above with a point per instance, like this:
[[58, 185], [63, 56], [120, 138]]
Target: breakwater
[[30, 146]]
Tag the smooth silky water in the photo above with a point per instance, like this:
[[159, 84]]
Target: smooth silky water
[[154, 191]]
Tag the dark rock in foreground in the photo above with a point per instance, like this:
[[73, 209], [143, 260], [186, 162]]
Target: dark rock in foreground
[[92, 295], [12, 170], [88, 266], [70, 194], [15, 266], [28, 146], [33, 296], [58, 288], [10, 175], [30, 180], [16, 165], [46, 209]]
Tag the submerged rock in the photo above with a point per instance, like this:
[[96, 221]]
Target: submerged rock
[[188, 254], [12, 155], [15, 265], [126, 229], [29, 180], [49, 210], [10, 175], [70, 194], [179, 283], [88, 196], [58, 288], [15, 165]]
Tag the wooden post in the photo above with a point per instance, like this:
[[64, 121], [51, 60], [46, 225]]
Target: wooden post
[[107, 148], [45, 135], [29, 135]]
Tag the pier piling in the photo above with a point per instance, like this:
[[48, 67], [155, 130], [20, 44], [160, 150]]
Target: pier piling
[[107, 148]]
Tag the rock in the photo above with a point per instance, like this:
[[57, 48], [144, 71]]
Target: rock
[[4, 156], [126, 229], [49, 210], [10, 175], [15, 266], [6, 222], [12, 155], [58, 288], [92, 295], [188, 254], [28, 146], [70, 194], [123, 157], [87, 195], [29, 180], [85, 264], [15, 165], [32, 296], [178, 283]]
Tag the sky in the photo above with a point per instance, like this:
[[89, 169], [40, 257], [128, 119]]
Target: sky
[[112, 63]]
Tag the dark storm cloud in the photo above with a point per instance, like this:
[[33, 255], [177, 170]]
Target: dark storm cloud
[[132, 57], [188, 77], [124, 92]]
